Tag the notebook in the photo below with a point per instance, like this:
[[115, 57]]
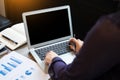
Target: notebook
[[46, 28]]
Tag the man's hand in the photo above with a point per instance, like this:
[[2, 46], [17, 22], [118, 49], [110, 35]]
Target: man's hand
[[49, 57], [75, 44]]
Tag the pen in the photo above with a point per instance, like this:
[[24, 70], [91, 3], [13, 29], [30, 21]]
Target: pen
[[9, 39]]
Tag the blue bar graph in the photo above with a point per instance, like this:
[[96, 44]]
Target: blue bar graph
[[9, 65]]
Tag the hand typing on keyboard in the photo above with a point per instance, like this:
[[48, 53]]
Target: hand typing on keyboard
[[59, 49], [75, 45], [49, 56]]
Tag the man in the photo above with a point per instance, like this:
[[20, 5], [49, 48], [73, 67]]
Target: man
[[97, 59]]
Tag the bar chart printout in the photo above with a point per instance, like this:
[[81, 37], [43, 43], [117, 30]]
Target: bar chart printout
[[15, 66]]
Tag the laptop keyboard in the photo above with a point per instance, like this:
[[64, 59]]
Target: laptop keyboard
[[58, 48]]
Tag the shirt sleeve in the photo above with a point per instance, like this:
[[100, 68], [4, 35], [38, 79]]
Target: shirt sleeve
[[56, 67]]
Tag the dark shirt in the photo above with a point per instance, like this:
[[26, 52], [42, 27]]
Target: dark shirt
[[99, 57]]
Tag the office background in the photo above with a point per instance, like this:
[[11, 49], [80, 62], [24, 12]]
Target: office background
[[84, 12], [2, 8]]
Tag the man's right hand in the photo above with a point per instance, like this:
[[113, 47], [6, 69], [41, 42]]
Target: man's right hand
[[75, 44]]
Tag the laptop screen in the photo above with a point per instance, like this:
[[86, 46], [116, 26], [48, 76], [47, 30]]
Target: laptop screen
[[48, 26]]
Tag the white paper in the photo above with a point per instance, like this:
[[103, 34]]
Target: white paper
[[15, 66], [19, 27]]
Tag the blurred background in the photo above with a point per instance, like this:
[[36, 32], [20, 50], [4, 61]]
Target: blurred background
[[85, 13]]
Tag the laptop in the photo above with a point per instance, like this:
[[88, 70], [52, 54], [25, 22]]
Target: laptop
[[45, 30]]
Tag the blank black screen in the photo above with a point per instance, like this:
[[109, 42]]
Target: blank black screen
[[47, 26]]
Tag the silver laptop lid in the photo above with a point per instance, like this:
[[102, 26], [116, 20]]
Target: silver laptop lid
[[47, 26]]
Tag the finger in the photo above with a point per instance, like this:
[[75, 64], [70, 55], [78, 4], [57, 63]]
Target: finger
[[46, 60], [72, 47], [48, 53], [73, 40]]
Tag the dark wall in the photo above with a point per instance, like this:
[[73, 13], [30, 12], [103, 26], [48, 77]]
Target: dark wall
[[84, 12], [87, 12], [15, 8]]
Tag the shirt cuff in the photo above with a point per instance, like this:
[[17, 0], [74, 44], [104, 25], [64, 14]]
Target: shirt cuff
[[51, 67]]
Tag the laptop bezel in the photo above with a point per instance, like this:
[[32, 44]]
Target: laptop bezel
[[44, 11]]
